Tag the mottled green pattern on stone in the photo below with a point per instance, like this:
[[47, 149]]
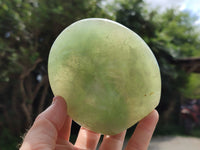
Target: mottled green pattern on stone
[[106, 73]]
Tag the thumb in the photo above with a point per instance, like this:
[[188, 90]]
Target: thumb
[[44, 132]]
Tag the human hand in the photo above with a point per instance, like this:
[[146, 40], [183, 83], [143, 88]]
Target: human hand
[[51, 131]]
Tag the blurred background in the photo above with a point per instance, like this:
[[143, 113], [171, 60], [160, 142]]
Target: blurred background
[[28, 29]]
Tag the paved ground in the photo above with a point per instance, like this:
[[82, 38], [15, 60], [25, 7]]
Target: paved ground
[[175, 143]]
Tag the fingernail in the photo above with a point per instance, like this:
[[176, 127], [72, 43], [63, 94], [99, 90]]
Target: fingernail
[[54, 100]]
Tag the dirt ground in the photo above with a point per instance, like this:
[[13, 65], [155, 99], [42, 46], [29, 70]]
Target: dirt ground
[[174, 143]]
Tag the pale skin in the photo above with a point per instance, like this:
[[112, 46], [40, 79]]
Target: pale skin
[[51, 131]]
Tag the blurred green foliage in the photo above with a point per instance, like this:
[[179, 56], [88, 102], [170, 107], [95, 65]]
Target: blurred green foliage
[[192, 88], [8, 141], [170, 35], [28, 29]]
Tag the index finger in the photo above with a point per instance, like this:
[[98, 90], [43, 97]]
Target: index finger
[[65, 131]]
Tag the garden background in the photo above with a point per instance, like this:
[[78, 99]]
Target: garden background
[[28, 29]]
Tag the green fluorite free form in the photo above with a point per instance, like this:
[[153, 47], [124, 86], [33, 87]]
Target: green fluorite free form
[[108, 76]]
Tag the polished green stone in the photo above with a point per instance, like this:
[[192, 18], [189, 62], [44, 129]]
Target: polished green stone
[[107, 74]]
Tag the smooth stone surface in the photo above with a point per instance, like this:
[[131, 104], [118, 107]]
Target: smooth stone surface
[[107, 74]]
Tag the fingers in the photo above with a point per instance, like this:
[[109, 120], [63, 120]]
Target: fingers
[[44, 132], [65, 131], [67, 146], [113, 142], [87, 139], [55, 113], [143, 133]]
